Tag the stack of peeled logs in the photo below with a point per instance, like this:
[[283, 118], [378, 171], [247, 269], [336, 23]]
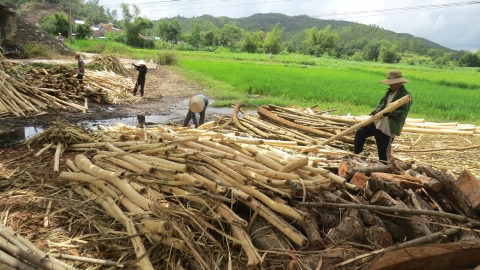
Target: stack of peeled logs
[[157, 174]]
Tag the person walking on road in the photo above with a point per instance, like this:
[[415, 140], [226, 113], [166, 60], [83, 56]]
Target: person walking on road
[[80, 69], [391, 124], [142, 73], [197, 104]]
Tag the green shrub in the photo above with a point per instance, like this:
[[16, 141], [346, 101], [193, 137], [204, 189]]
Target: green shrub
[[41, 50], [167, 58]]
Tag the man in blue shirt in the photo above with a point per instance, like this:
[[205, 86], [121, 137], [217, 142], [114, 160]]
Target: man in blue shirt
[[197, 104]]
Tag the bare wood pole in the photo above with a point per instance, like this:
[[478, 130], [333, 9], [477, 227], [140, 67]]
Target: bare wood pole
[[391, 107]]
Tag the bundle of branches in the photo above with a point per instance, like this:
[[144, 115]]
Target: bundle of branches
[[98, 86], [204, 193], [109, 62], [22, 99], [109, 87], [59, 135]]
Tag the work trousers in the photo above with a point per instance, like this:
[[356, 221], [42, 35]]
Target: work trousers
[[383, 141], [137, 85]]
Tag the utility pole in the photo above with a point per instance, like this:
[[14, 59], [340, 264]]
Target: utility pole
[[70, 23]]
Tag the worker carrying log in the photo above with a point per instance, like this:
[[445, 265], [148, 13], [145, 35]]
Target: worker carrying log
[[391, 123], [142, 73], [80, 69], [197, 104]]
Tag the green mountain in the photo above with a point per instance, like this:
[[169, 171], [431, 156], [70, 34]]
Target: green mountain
[[295, 25]]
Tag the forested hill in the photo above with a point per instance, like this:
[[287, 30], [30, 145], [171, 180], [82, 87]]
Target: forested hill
[[295, 25]]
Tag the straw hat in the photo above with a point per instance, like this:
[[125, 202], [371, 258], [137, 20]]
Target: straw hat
[[393, 77], [196, 104], [141, 62]]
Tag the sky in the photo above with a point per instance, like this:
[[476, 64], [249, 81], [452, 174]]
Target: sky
[[454, 24]]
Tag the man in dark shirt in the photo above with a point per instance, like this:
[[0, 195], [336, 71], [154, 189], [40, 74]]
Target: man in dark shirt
[[80, 69], [142, 73]]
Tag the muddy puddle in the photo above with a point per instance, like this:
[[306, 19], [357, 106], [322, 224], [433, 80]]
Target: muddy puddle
[[13, 134]]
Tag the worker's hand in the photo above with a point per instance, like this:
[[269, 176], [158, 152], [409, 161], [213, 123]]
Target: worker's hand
[[387, 114]]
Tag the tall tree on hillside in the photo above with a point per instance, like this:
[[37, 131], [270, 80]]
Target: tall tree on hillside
[[229, 35], [54, 24], [273, 40], [371, 51], [132, 25], [251, 41], [478, 53], [323, 41]]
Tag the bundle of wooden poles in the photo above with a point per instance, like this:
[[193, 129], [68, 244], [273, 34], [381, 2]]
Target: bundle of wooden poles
[[20, 98], [34, 93], [98, 86], [216, 199]]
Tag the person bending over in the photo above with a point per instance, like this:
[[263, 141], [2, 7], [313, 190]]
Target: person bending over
[[197, 104]]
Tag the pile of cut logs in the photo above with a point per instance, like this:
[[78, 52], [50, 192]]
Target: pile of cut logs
[[202, 193], [57, 88]]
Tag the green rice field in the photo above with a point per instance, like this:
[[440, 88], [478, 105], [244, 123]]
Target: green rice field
[[349, 87]]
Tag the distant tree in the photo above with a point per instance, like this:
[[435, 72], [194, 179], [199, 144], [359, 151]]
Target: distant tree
[[83, 31], [388, 54], [478, 53], [195, 38], [229, 35], [320, 42], [469, 60], [357, 56], [273, 40], [132, 25], [403, 44], [210, 37], [169, 31], [54, 24], [371, 51], [252, 41]]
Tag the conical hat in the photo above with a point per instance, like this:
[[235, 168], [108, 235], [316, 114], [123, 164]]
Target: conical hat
[[141, 62], [196, 104]]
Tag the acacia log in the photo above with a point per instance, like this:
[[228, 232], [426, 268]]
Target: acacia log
[[351, 228], [415, 228], [451, 190]]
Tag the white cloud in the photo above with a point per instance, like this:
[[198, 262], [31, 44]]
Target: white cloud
[[456, 27]]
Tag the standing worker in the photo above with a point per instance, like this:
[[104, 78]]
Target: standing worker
[[80, 69], [142, 73], [197, 104], [391, 124]]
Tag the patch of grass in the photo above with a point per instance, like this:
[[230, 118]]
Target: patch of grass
[[167, 58], [38, 50]]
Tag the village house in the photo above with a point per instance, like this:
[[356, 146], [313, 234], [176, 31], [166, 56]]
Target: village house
[[101, 29], [8, 23]]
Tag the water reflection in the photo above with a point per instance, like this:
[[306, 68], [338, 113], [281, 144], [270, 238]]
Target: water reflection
[[12, 134]]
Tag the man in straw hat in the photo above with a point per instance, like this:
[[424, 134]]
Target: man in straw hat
[[390, 125], [142, 73], [197, 104]]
